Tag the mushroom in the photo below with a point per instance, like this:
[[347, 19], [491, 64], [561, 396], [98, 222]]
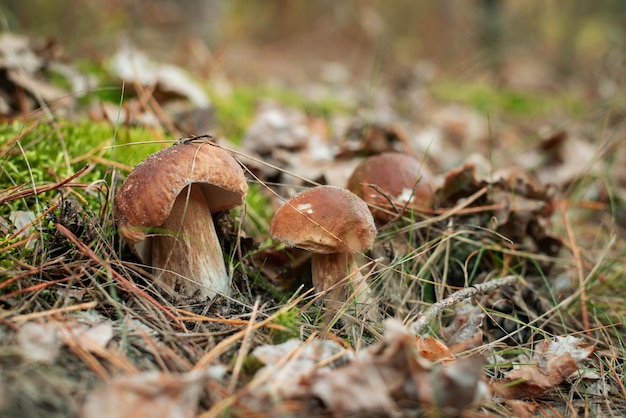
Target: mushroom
[[393, 176], [333, 224], [164, 211]]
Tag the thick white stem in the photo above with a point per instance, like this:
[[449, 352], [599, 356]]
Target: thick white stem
[[329, 272], [338, 275], [186, 253]]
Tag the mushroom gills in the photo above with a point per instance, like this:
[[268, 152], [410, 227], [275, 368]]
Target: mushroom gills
[[186, 253]]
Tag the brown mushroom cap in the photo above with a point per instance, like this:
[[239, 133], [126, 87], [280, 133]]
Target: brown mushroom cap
[[325, 220], [146, 198], [396, 175]]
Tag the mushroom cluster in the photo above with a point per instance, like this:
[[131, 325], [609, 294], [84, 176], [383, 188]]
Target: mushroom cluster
[[164, 212]]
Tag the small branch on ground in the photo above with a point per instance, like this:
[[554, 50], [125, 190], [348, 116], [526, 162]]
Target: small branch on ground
[[424, 319]]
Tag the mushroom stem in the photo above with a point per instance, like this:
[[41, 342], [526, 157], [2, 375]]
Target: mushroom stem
[[329, 272], [186, 253]]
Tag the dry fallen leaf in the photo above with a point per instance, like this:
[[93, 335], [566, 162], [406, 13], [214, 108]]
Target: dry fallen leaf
[[39, 341], [287, 379], [393, 373], [21, 89], [553, 362], [465, 332], [316, 351], [146, 395], [276, 127], [23, 222], [379, 379], [513, 205], [42, 341], [133, 66], [432, 349], [90, 337]]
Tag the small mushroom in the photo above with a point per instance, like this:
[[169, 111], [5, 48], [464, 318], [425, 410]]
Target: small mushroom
[[164, 211], [333, 224], [393, 176]]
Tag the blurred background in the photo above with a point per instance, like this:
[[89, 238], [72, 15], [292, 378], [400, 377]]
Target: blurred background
[[528, 44]]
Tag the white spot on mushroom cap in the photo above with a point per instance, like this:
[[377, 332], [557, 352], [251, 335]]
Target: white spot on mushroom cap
[[406, 195], [305, 207]]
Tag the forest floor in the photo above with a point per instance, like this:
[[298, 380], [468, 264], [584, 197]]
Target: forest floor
[[500, 293]]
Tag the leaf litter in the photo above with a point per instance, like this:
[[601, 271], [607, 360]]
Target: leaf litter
[[141, 356]]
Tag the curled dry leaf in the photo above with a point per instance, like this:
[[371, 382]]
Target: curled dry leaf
[[553, 362], [297, 143], [24, 225], [315, 351], [285, 374], [433, 350], [287, 379], [457, 385], [366, 138], [562, 157]]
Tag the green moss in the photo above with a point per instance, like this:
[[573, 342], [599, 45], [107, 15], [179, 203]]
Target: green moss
[[234, 112], [250, 365], [47, 153], [490, 99], [290, 320]]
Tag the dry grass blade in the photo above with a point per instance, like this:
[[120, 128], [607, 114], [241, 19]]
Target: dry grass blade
[[53, 312], [121, 280], [244, 349], [226, 343], [12, 194], [579, 268]]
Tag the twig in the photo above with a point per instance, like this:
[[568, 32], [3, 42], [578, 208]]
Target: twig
[[419, 326], [389, 200]]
